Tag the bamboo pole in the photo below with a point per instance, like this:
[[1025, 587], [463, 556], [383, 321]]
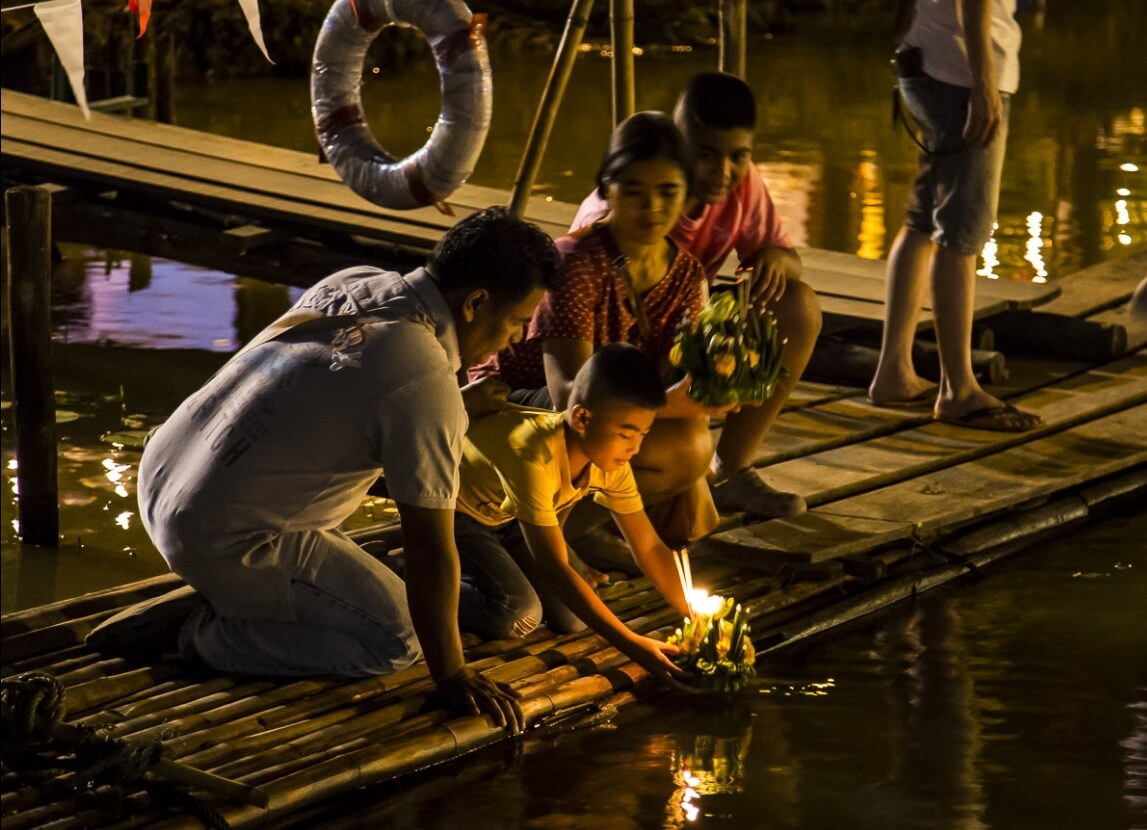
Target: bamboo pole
[[98, 693], [93, 671], [165, 80], [198, 730], [161, 701], [733, 21], [183, 774], [56, 637], [111, 599], [167, 711], [621, 41], [254, 757], [81, 816], [151, 63], [357, 769], [548, 107], [331, 741], [63, 660], [28, 211]]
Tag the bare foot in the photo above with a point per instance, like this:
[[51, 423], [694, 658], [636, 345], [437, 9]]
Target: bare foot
[[912, 391], [593, 577]]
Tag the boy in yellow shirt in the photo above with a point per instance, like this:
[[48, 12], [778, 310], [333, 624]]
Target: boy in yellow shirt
[[523, 470]]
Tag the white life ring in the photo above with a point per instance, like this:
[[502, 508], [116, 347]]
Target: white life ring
[[448, 157]]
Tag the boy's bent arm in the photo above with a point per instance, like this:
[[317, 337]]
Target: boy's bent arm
[[433, 575], [653, 557], [548, 548]]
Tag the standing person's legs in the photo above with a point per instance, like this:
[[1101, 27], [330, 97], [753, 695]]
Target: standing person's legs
[[962, 401], [896, 380], [954, 296], [967, 191]]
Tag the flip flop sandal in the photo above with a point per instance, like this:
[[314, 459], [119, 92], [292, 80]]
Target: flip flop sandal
[[1001, 418]]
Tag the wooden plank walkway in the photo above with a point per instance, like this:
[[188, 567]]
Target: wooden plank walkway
[[891, 491], [248, 208]]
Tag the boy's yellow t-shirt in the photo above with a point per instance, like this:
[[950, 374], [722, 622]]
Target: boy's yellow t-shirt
[[515, 466]]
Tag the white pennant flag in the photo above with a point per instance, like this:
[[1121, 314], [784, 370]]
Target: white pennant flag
[[251, 12], [63, 20]]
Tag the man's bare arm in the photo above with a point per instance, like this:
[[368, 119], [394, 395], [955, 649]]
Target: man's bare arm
[[985, 109], [433, 577]]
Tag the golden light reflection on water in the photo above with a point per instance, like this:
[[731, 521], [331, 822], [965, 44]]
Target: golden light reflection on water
[[872, 231], [1035, 244], [990, 256], [707, 763], [819, 688]]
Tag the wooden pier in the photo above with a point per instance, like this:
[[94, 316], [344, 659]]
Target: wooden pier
[[284, 216], [899, 503]]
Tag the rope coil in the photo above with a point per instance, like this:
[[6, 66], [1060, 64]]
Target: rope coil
[[36, 738]]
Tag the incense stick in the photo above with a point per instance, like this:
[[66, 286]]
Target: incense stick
[[688, 570], [684, 581]]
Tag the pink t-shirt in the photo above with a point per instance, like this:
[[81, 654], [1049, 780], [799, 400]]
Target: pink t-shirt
[[746, 221]]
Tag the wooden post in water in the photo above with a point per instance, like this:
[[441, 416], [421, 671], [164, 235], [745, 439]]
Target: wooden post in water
[[548, 107], [28, 211], [733, 22], [621, 41], [151, 62], [165, 80]]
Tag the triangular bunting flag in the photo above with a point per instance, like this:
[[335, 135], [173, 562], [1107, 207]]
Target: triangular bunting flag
[[251, 12], [143, 9], [63, 20]]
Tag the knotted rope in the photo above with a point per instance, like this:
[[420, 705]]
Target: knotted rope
[[35, 737]]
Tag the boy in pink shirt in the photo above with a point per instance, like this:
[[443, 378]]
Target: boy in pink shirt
[[729, 209]]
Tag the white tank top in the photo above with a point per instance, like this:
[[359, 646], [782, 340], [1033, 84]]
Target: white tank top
[[939, 33]]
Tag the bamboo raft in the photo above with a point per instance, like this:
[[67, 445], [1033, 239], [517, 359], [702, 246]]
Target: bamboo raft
[[898, 504]]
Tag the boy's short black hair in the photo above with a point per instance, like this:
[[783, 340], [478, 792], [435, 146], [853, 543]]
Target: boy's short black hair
[[619, 373], [716, 100], [644, 136], [493, 250]]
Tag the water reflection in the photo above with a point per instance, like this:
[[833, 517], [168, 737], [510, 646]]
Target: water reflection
[[708, 760]]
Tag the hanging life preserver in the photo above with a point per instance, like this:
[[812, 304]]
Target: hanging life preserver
[[448, 157]]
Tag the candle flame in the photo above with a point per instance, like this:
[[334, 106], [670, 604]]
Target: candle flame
[[705, 604]]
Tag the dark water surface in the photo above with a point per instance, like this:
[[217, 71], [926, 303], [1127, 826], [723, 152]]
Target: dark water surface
[[1017, 702]]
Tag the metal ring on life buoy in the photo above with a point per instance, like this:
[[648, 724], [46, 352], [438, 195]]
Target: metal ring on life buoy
[[448, 157]]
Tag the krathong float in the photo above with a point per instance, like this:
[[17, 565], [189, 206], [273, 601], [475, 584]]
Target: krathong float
[[446, 160], [731, 351], [715, 649]]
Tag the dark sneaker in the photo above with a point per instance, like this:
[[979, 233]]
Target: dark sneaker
[[746, 492], [148, 630]]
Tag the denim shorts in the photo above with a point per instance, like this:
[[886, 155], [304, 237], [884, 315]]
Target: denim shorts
[[957, 191]]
